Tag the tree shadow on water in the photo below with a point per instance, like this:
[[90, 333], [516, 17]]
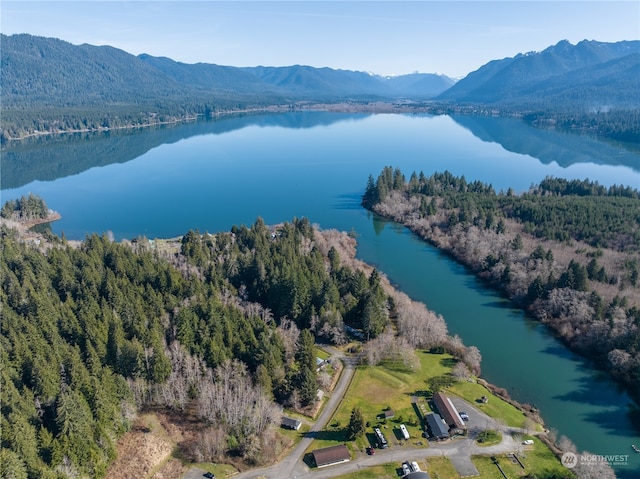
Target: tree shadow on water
[[351, 201], [609, 411]]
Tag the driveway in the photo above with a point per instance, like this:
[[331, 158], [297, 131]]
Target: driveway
[[292, 465], [459, 451]]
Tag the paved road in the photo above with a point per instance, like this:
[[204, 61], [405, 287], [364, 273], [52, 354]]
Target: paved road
[[459, 451], [292, 465]]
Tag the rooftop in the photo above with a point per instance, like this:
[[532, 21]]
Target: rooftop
[[331, 455]]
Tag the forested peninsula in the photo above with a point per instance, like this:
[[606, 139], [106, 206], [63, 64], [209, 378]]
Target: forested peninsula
[[218, 328], [567, 251]]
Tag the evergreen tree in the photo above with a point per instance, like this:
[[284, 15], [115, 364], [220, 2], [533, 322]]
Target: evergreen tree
[[356, 427], [307, 386], [305, 356]]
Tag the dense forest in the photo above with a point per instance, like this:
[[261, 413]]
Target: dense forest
[[224, 325], [568, 251], [25, 208], [619, 125], [51, 86]]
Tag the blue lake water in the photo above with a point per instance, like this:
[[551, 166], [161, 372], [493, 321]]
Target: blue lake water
[[213, 175]]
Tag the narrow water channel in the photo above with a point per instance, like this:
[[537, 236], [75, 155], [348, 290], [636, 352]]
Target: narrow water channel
[[518, 353], [213, 175]]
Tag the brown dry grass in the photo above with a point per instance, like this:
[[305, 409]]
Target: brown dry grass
[[612, 260], [142, 450], [154, 446]]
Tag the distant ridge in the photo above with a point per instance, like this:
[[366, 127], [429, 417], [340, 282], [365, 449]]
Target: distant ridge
[[50, 85], [589, 75], [37, 70]]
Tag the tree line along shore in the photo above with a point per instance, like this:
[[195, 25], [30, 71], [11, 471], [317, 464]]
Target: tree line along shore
[[566, 251], [220, 327]]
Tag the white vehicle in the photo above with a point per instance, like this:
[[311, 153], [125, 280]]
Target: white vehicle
[[405, 469], [528, 442], [405, 433], [415, 467], [380, 439]]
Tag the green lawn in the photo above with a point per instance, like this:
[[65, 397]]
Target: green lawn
[[496, 407], [440, 468], [384, 471], [219, 470], [294, 436], [489, 437], [375, 389], [322, 354], [537, 459]]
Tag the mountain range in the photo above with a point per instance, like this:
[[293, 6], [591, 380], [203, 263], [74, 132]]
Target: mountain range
[[58, 73], [47, 80], [589, 75]]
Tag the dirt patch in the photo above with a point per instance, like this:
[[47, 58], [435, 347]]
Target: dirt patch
[[142, 450], [172, 469], [154, 446]]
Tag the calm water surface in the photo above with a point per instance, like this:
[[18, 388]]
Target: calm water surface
[[214, 175]]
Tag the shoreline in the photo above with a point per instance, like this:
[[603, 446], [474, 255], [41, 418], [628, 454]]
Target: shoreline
[[25, 226], [445, 248], [347, 247], [176, 121]]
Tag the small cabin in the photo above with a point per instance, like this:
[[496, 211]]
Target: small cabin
[[290, 423]]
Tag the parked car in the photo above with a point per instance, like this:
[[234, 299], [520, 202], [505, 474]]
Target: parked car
[[371, 451], [527, 442], [405, 469], [415, 467], [464, 416], [209, 475]]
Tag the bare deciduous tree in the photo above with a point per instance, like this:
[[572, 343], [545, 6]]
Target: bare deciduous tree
[[289, 333]]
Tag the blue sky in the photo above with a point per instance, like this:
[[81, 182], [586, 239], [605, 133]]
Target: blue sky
[[450, 37]]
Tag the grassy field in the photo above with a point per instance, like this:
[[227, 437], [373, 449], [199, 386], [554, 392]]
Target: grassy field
[[384, 471], [440, 468], [538, 460], [489, 437], [219, 470], [389, 386], [376, 389], [496, 407]]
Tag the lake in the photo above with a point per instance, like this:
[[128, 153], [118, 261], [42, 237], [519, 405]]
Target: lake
[[211, 175]]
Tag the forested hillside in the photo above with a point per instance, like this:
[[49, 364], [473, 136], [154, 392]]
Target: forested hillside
[[567, 251], [52, 86], [592, 87], [223, 325], [593, 75], [49, 86]]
